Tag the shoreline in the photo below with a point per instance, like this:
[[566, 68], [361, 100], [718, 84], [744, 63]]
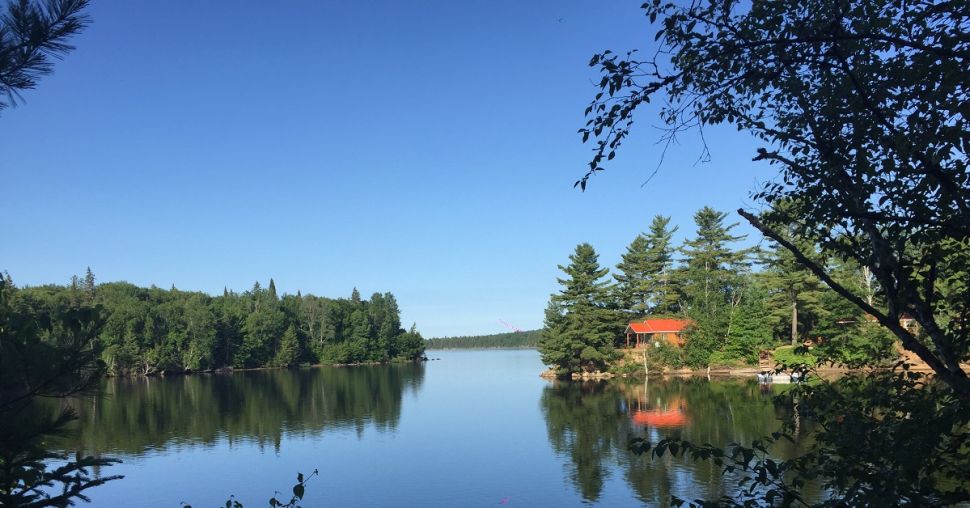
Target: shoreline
[[231, 370], [744, 372]]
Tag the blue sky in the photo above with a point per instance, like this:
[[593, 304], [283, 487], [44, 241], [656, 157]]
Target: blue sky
[[426, 148]]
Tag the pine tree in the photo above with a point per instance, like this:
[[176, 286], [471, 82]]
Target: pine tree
[[88, 286], [74, 291], [390, 326], [751, 332], [355, 296], [289, 350], [411, 344], [256, 294], [582, 337], [660, 258], [272, 290], [359, 340], [632, 293], [643, 282], [551, 338], [794, 298], [710, 284]]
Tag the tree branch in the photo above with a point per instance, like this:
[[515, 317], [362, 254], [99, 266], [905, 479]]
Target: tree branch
[[957, 380]]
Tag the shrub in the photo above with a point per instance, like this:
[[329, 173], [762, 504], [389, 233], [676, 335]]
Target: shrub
[[791, 356], [666, 355]]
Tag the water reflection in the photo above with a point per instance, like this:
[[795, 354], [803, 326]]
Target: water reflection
[[591, 424], [134, 415], [465, 440]]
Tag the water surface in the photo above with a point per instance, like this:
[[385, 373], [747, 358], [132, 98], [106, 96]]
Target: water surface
[[475, 428]]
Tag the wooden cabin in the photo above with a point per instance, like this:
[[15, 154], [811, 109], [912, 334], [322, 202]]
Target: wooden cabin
[[648, 331]]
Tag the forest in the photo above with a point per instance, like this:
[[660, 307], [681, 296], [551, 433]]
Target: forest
[[523, 339], [146, 331], [739, 300]]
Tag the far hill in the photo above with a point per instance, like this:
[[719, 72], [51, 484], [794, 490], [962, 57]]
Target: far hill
[[525, 339]]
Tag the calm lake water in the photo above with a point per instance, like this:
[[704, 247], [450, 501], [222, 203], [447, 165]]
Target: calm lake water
[[475, 428]]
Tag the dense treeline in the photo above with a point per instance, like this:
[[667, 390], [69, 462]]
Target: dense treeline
[[524, 339], [144, 331], [738, 301]]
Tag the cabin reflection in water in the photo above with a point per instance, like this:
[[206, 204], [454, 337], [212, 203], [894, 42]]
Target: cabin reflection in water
[[668, 411]]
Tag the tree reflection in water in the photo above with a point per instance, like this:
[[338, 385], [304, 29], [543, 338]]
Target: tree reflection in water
[[132, 416], [591, 424]]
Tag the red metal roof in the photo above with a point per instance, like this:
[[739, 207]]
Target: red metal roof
[[659, 325]]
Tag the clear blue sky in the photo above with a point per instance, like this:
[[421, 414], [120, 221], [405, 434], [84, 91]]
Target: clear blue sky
[[426, 148]]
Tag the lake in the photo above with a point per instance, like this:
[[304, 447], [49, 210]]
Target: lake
[[472, 428]]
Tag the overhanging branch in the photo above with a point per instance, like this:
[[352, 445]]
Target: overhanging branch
[[907, 338]]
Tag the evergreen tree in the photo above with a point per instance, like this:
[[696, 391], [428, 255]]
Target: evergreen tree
[[359, 340], [795, 291], [643, 282], [289, 350], [632, 293], [355, 296], [46, 351], [660, 258], [551, 338], [711, 284], [390, 326], [751, 332], [34, 34], [74, 291], [256, 294], [88, 286], [272, 290], [583, 339], [411, 344]]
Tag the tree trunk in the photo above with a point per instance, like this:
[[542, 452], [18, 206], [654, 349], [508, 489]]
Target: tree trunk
[[794, 322]]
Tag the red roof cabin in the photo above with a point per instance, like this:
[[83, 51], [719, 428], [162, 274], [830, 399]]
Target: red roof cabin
[[649, 331]]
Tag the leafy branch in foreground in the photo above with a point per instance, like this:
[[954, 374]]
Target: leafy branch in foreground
[[43, 355], [275, 502], [31, 34]]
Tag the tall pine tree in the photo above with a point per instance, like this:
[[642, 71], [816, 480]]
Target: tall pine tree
[[581, 328], [660, 258], [643, 284], [631, 281], [710, 284], [793, 299]]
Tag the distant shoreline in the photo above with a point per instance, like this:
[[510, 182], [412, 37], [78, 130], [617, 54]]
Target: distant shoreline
[[479, 348], [528, 339]]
